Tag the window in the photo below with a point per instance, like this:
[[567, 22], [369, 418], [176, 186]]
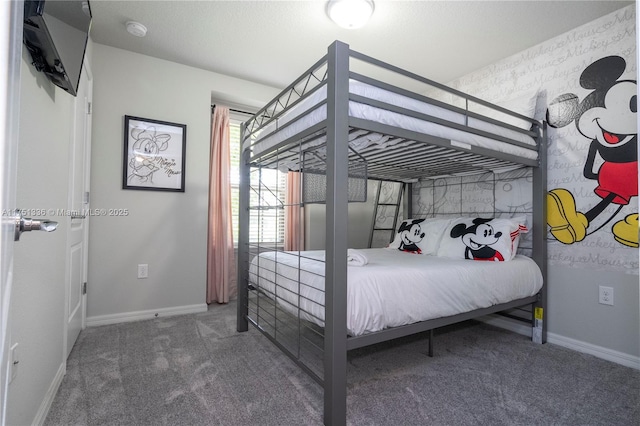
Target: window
[[234, 150], [267, 225]]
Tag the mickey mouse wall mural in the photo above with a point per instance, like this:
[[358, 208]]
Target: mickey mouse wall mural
[[607, 117]]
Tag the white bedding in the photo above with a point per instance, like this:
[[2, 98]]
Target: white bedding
[[395, 288], [265, 140]]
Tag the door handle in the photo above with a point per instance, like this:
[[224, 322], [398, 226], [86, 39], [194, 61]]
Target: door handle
[[26, 224]]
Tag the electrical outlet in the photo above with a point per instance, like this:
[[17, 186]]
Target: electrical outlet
[[605, 295], [143, 270]]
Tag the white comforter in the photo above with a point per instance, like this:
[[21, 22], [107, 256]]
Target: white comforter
[[394, 288]]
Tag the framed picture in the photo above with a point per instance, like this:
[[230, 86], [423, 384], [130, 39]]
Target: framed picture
[[154, 155]]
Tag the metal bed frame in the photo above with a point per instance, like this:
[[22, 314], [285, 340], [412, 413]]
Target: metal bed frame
[[333, 70]]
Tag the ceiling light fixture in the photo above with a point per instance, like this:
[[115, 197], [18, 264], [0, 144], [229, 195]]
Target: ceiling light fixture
[[136, 29], [350, 14]]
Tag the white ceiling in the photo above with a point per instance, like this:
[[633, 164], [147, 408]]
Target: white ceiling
[[273, 42]]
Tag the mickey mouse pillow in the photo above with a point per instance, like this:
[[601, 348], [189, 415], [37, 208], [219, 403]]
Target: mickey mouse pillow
[[482, 239], [419, 236]]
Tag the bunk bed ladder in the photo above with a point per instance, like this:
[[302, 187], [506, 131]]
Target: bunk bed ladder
[[377, 227]]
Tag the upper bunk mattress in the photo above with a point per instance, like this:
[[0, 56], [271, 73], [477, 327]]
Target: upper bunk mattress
[[302, 116], [394, 288]]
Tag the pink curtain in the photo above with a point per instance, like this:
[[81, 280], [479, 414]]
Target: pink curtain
[[221, 269], [293, 214]]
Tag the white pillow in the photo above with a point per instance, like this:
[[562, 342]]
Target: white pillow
[[420, 236], [482, 239]]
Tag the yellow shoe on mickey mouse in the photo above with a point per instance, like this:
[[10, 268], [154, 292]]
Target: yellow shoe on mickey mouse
[[567, 224], [626, 231]]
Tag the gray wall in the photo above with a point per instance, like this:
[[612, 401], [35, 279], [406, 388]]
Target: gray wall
[[574, 311], [165, 230]]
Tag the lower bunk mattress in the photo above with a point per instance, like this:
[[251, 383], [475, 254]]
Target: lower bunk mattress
[[393, 288]]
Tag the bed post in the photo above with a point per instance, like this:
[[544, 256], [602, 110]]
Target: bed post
[[243, 237], [540, 231], [335, 335], [408, 200]]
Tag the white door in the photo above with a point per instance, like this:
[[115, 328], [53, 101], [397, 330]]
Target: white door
[[10, 58], [77, 236]]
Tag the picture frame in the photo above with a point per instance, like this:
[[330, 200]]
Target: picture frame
[[154, 155]]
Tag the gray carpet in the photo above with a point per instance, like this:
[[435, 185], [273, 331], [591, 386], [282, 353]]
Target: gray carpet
[[196, 370]]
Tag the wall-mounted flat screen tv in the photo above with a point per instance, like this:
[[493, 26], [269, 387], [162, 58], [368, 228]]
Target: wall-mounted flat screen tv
[[56, 34]]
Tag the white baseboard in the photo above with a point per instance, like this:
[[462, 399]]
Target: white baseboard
[[45, 406], [608, 354], [142, 315]]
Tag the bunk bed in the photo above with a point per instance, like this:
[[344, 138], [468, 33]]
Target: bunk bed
[[350, 118]]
